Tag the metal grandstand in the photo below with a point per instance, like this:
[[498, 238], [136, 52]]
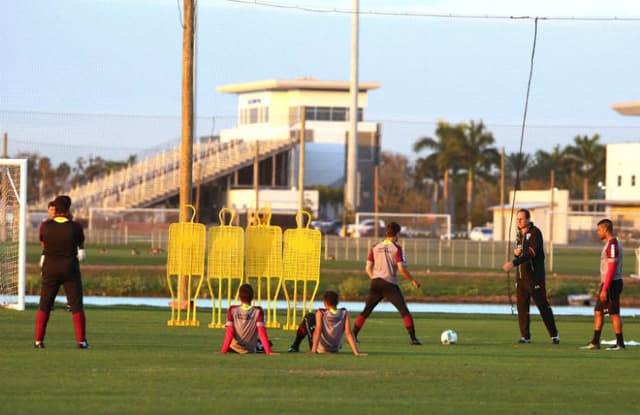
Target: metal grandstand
[[157, 177]]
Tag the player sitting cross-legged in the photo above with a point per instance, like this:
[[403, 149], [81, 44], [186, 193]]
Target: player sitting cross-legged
[[326, 329]]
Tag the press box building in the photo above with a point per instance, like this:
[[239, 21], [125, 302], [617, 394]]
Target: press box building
[[272, 110]]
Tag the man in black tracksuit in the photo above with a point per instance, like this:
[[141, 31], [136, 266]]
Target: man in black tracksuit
[[529, 258], [62, 241]]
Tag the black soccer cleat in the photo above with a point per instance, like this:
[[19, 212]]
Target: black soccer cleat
[[524, 340], [38, 345], [416, 342], [555, 340], [293, 349], [83, 345]]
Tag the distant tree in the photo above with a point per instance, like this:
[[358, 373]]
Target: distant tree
[[330, 196], [477, 157], [428, 174], [46, 176], [544, 162], [516, 165], [587, 156], [445, 153], [63, 173], [33, 175], [397, 191]]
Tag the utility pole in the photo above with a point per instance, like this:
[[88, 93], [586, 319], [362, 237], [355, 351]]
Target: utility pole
[[502, 224], [552, 180], [256, 180], [303, 124], [186, 154], [352, 140]]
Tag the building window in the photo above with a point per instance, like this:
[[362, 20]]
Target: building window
[[338, 114], [253, 115], [323, 114], [633, 180], [619, 181], [310, 113]]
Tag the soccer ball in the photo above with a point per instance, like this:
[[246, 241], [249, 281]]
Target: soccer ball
[[449, 337]]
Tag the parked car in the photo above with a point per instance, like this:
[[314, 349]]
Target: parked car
[[366, 228], [481, 233], [330, 227]]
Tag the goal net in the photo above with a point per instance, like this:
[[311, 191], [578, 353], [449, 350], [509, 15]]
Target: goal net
[[13, 210], [413, 225]]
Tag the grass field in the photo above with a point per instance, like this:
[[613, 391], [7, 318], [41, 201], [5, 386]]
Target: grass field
[[138, 365], [118, 273]]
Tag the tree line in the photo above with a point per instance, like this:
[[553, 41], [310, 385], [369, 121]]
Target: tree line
[[458, 172]]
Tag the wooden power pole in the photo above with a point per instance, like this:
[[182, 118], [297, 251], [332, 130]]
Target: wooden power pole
[[186, 155]]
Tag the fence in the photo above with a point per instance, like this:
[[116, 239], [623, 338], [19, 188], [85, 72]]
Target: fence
[[423, 252], [155, 237]]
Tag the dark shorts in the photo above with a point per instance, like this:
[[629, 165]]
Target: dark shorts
[[61, 272], [612, 304], [380, 289]]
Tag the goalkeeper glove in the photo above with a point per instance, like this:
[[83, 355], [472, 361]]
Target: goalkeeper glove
[[41, 261], [82, 255]]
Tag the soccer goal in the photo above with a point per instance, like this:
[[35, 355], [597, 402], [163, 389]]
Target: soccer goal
[[13, 213], [415, 225]]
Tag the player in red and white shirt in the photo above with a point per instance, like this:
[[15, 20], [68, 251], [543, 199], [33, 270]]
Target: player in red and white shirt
[[385, 259], [327, 328], [610, 287], [245, 323]]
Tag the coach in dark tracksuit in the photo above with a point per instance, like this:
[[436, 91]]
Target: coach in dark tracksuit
[[529, 258], [62, 240]]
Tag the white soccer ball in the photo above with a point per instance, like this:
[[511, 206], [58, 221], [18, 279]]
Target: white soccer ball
[[449, 337]]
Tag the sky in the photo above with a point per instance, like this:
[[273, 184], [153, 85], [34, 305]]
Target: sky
[[102, 77]]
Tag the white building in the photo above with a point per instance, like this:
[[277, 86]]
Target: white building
[[623, 172], [552, 222], [272, 110]]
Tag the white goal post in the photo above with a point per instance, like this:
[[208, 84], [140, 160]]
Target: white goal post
[[416, 225], [13, 233]]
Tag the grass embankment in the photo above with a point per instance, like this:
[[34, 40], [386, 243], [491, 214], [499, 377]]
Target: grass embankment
[[116, 272]]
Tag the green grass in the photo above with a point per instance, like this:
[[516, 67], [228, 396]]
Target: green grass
[[118, 273], [139, 365]]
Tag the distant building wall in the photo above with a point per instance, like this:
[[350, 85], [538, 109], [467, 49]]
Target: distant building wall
[[623, 172], [554, 223]]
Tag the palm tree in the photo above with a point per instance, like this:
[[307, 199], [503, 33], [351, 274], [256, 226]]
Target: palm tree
[[588, 156], [445, 153], [477, 157], [556, 160], [427, 169], [516, 165]]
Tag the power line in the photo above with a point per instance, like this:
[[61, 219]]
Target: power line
[[407, 121], [317, 9]]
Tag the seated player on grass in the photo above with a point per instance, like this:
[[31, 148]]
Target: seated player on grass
[[326, 329], [245, 323]]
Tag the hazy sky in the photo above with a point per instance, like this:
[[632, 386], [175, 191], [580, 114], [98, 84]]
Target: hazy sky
[[100, 76]]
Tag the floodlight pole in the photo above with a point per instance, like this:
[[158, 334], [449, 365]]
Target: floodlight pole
[[186, 154]]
